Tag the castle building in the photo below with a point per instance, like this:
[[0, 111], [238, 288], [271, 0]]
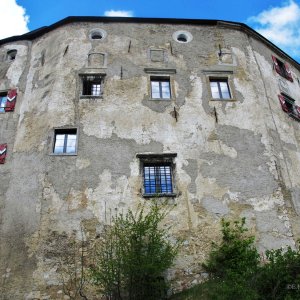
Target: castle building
[[101, 114]]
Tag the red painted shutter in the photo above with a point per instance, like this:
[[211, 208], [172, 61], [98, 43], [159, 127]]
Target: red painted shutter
[[3, 148], [283, 104], [11, 100], [298, 110], [288, 72], [276, 66]]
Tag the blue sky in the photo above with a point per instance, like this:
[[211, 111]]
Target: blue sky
[[277, 20]]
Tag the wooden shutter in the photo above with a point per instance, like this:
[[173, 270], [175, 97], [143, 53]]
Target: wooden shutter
[[11, 100], [283, 104], [3, 148], [276, 65], [288, 72]]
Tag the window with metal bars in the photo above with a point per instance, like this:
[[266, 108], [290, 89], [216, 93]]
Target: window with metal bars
[[158, 179], [92, 85], [65, 141], [158, 171]]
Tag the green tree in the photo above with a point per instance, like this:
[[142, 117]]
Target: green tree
[[233, 263], [132, 256], [279, 278]]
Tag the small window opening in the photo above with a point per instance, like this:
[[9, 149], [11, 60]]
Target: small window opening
[[91, 85], [282, 68], [289, 102], [65, 141], [182, 38], [97, 36], [11, 54], [157, 172], [220, 89], [158, 179], [160, 88], [3, 101]]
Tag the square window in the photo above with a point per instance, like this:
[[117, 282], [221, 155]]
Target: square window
[[3, 101], [92, 85], [158, 174], [220, 89], [158, 179], [65, 141], [160, 87]]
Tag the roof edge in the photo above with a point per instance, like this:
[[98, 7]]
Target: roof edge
[[208, 22]]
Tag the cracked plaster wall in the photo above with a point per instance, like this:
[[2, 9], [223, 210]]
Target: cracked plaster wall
[[242, 160]]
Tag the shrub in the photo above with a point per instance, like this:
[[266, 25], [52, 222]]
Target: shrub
[[133, 255], [233, 263], [236, 271]]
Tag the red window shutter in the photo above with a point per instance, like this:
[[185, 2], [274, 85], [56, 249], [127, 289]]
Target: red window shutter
[[298, 110], [288, 72], [283, 104], [11, 100], [276, 66], [3, 148]]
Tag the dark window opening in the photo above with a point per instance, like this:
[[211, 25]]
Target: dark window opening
[[97, 36], [160, 88], [65, 141], [220, 89], [182, 38], [158, 179], [91, 85], [11, 54], [282, 68], [288, 105]]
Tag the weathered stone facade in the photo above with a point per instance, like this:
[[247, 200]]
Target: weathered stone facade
[[238, 157]]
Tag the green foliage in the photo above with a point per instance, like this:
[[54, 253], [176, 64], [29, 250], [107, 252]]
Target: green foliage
[[236, 255], [233, 263], [279, 278], [133, 255], [236, 271]]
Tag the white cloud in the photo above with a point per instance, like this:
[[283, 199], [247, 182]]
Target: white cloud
[[281, 25], [13, 19], [118, 13]]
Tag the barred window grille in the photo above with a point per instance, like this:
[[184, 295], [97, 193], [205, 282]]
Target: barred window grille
[[91, 85], [158, 179]]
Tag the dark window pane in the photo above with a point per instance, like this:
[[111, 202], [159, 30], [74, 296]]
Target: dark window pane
[[91, 85]]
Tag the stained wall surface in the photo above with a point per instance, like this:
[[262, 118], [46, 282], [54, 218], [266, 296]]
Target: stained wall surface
[[235, 158]]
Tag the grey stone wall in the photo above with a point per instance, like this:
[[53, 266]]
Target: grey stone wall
[[235, 158]]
